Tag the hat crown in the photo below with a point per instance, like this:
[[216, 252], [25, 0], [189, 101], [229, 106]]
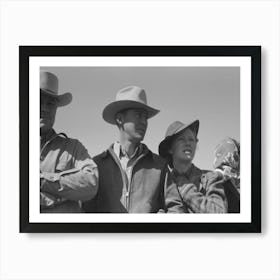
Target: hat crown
[[173, 128], [49, 82], [131, 97], [228, 144], [132, 93]]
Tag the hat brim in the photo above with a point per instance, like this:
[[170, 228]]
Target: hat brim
[[62, 100], [110, 111], [164, 146]]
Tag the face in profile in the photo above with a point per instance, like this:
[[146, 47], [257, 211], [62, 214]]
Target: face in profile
[[183, 147], [48, 106], [133, 124]]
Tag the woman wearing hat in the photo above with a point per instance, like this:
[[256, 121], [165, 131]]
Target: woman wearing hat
[[178, 148]]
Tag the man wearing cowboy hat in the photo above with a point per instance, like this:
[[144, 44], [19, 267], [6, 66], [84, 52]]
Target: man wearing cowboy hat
[[68, 175], [201, 191], [132, 179]]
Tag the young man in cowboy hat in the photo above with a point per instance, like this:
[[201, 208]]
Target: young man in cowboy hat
[[132, 179], [67, 173], [178, 148]]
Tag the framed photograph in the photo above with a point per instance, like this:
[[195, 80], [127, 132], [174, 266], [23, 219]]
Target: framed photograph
[[170, 135]]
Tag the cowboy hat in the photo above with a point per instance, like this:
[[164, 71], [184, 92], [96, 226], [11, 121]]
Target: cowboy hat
[[172, 131], [49, 86], [131, 97]]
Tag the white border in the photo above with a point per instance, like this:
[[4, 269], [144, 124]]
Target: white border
[[215, 256], [245, 137]]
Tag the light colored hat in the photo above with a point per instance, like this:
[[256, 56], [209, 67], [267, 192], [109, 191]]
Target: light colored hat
[[49, 86], [131, 97]]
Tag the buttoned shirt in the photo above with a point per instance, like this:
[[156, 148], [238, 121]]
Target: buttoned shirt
[[127, 161], [68, 175]]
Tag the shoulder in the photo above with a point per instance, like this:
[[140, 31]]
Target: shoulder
[[157, 160], [198, 171], [101, 157], [74, 142], [70, 143]]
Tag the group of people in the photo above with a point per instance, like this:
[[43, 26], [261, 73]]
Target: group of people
[[128, 177]]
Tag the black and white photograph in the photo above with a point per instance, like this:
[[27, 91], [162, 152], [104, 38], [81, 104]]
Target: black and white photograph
[[140, 140], [142, 130]]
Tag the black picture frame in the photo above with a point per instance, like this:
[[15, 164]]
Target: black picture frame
[[254, 52]]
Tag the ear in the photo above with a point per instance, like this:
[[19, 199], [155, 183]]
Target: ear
[[119, 119], [170, 151]]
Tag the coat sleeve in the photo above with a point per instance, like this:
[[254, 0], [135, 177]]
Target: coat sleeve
[[77, 183], [208, 198]]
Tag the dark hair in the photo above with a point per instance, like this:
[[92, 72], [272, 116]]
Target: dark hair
[[120, 112]]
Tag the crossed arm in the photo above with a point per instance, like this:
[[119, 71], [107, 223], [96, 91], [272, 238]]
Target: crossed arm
[[209, 198], [79, 183]]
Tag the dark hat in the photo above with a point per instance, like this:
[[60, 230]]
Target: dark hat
[[49, 86], [131, 97], [172, 131]]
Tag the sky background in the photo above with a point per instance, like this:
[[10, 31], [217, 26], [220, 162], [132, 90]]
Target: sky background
[[209, 94]]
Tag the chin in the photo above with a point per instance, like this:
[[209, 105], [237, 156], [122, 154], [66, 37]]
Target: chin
[[44, 123], [137, 140], [44, 128], [187, 158], [140, 136]]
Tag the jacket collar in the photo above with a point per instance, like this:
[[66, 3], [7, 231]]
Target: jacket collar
[[110, 151], [48, 136]]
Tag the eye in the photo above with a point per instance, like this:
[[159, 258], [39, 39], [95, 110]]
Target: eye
[[180, 139], [145, 114]]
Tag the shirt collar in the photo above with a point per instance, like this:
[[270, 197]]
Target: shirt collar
[[121, 153]]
